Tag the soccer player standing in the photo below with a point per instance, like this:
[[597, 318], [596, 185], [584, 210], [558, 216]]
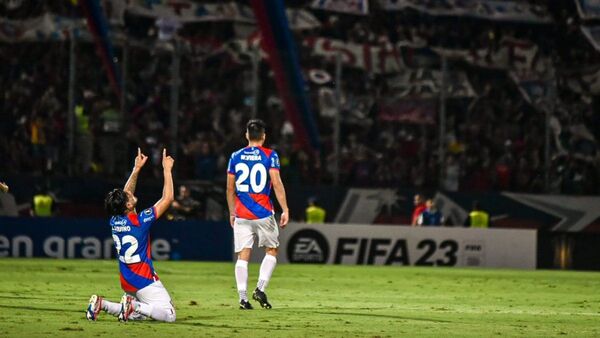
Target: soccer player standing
[[251, 173], [145, 296]]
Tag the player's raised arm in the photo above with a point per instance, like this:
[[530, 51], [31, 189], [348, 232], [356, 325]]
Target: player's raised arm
[[281, 198], [140, 160], [168, 195]]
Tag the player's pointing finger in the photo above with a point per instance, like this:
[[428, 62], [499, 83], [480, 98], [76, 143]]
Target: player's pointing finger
[[139, 151], [164, 152]]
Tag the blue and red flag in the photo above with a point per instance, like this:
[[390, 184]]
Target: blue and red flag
[[278, 43], [98, 26]]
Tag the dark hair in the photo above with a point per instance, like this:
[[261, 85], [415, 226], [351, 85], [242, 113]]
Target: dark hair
[[476, 205], [115, 202], [256, 129]]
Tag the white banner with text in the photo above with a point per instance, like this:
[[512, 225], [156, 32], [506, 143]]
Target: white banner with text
[[404, 245]]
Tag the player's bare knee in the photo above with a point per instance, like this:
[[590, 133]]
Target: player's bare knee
[[244, 254], [271, 251]]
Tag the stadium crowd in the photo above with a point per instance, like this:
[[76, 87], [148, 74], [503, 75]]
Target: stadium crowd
[[494, 140]]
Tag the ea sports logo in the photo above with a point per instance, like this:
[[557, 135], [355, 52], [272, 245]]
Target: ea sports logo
[[308, 246]]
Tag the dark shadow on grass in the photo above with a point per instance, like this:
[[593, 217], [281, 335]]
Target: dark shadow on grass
[[33, 308], [312, 308], [177, 322], [384, 316], [197, 318], [222, 326], [20, 297], [180, 320]]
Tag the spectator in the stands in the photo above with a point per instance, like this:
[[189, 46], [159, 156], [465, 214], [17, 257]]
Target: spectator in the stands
[[111, 126], [184, 206], [451, 174], [43, 203], [478, 218], [420, 206], [431, 216], [205, 161], [314, 213]]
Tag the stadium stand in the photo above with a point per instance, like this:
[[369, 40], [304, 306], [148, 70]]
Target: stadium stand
[[496, 117]]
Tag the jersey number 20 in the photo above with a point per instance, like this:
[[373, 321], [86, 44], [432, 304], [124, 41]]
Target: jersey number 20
[[128, 257], [256, 183]]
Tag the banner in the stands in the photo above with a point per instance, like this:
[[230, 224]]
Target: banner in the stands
[[426, 83], [358, 7], [47, 27], [592, 33], [301, 19], [407, 111], [189, 12], [381, 59], [385, 58], [534, 89], [516, 11], [583, 81], [512, 54], [279, 43], [588, 9], [99, 28]]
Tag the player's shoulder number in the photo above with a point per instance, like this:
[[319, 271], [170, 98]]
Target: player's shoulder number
[[257, 174]]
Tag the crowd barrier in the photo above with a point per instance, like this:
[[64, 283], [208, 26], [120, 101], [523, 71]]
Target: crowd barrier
[[91, 238], [303, 243], [404, 245]]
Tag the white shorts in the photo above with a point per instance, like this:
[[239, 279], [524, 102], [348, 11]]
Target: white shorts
[[156, 295], [244, 231]]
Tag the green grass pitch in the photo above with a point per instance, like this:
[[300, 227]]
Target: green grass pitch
[[42, 297]]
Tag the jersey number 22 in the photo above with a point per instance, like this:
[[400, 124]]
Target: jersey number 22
[[128, 257]]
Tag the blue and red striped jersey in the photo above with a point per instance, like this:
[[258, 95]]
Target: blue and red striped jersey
[[132, 241], [251, 166]]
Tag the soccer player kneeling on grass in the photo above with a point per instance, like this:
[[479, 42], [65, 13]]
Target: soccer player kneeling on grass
[[145, 296], [251, 173]]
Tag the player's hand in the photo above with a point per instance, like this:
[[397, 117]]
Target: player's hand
[[140, 159], [167, 161], [3, 187], [285, 218], [231, 220]]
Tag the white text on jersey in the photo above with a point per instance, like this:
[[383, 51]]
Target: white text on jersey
[[251, 157], [121, 228]]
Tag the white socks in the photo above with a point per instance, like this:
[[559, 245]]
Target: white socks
[[111, 308], [266, 270], [241, 277], [157, 313]]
